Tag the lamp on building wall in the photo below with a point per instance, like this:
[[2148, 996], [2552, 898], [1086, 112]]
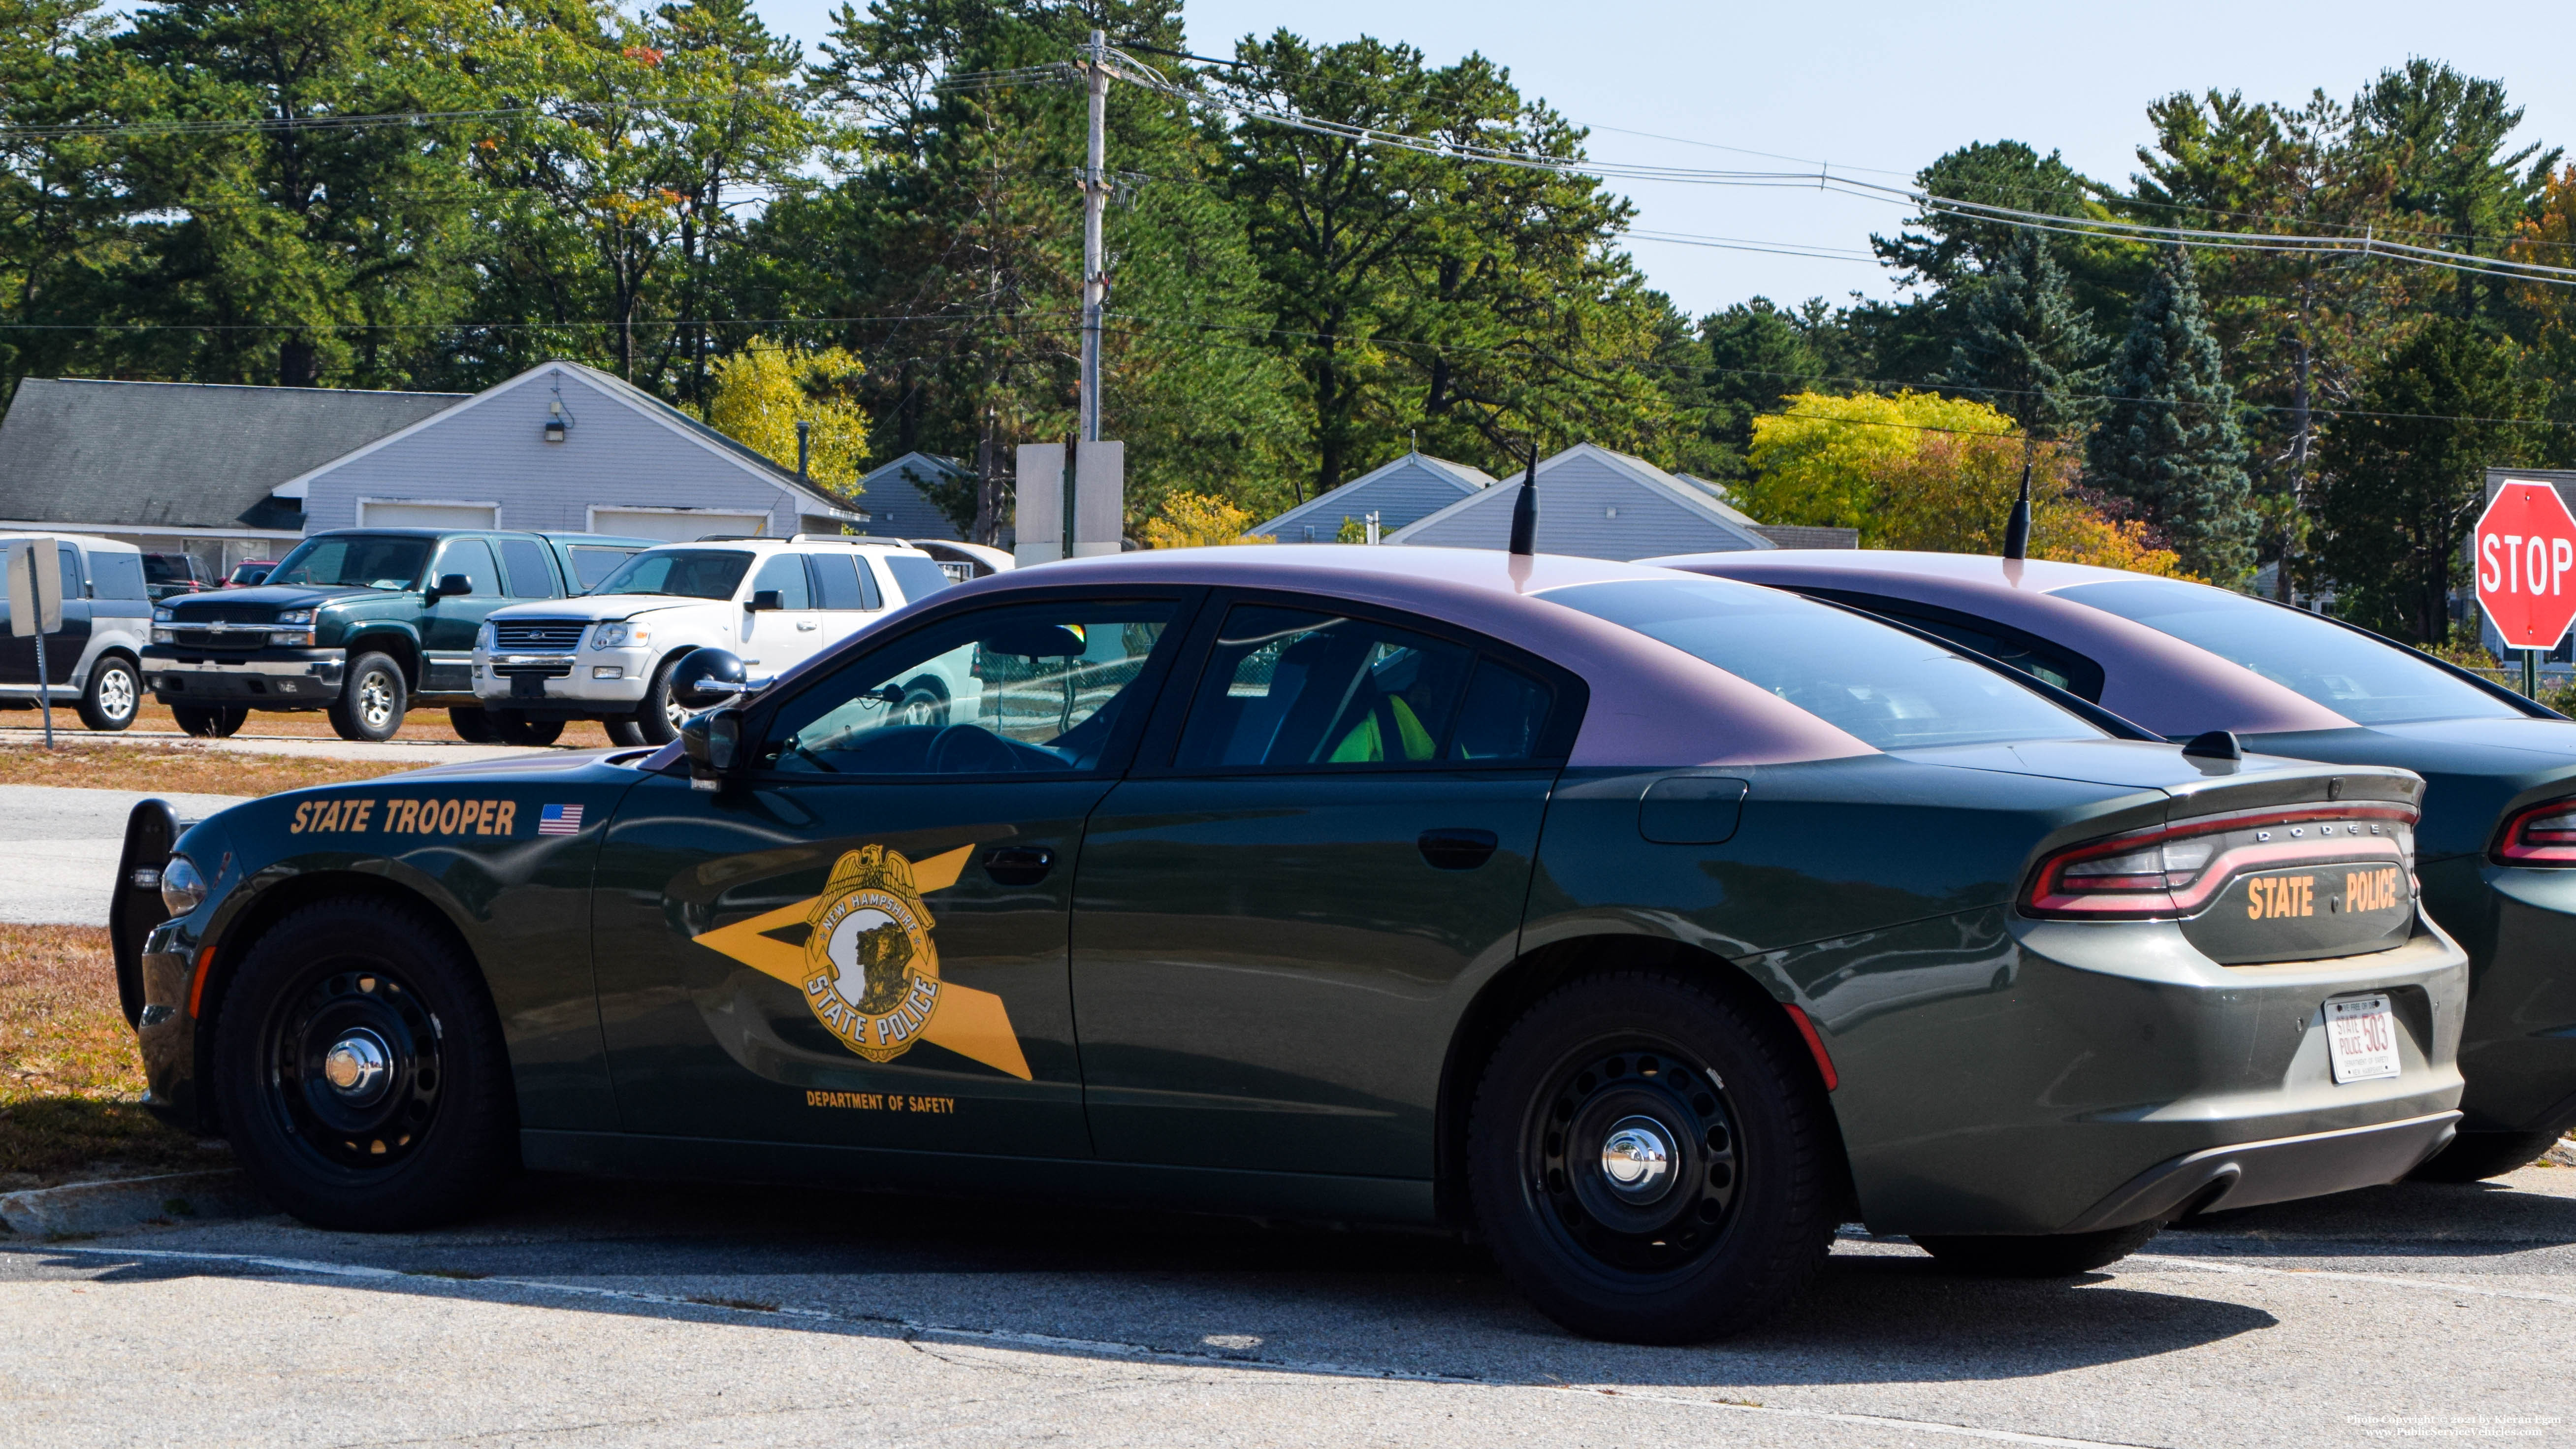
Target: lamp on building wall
[[555, 421]]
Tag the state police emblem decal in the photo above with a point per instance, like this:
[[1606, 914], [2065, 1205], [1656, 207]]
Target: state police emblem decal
[[872, 972]]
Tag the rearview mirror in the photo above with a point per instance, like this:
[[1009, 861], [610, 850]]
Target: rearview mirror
[[450, 585], [713, 744]]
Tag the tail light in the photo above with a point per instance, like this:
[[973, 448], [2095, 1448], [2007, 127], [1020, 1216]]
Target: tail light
[[2176, 870], [2545, 834]]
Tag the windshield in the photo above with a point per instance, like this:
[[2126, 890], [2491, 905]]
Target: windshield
[[359, 561], [691, 573], [2362, 679], [1885, 686]]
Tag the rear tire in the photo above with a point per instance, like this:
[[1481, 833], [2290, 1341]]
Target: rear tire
[[372, 700], [2476, 1156], [512, 728], [208, 721], [1614, 1073], [2040, 1255], [474, 726], [424, 1124], [114, 695]]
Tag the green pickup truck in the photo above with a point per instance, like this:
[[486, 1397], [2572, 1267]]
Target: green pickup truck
[[365, 623]]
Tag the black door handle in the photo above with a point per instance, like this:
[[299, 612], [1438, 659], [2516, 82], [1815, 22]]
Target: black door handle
[[1456, 849], [1019, 865]]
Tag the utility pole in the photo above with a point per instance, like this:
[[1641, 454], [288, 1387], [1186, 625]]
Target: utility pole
[[1094, 196]]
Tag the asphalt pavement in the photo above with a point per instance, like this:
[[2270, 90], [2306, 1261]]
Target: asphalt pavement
[[59, 848], [602, 1314]]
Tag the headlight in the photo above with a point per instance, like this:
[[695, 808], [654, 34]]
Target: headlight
[[164, 636], [623, 635], [182, 889], [483, 636], [160, 616], [292, 638], [296, 616]]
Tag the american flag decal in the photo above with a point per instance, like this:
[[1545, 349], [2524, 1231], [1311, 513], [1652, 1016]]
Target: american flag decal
[[560, 820]]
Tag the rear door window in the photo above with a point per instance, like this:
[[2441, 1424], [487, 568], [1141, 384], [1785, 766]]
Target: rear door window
[[1298, 688], [837, 579], [531, 575], [117, 575]]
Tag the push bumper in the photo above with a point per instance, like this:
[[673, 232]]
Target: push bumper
[[2284, 1169], [271, 677]]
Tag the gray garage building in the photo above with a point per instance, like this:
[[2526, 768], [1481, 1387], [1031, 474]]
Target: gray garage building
[[564, 447]]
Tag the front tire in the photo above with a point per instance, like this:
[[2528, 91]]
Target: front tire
[[114, 695], [513, 728], [1652, 1159], [360, 1069], [2037, 1255], [206, 721], [372, 701], [474, 726], [2476, 1156], [658, 716]]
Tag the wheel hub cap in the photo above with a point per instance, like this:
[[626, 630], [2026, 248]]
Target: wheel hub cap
[[355, 1065], [1637, 1158]]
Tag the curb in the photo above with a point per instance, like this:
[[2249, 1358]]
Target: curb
[[90, 1207]]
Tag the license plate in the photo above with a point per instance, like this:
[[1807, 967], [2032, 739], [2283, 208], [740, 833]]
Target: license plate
[[2361, 1038], [527, 686]]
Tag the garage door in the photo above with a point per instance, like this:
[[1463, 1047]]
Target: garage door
[[674, 527], [375, 513]]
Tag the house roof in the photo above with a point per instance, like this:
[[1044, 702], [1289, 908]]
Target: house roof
[[1412, 487], [896, 503], [1594, 502], [618, 390], [182, 455]]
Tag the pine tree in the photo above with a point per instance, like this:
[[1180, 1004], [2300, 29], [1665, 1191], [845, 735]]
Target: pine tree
[[2169, 442], [2028, 350]]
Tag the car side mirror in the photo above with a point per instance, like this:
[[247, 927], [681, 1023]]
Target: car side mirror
[[705, 678], [713, 744], [766, 599], [450, 584]]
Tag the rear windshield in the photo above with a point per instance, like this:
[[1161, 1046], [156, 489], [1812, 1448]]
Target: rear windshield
[[2354, 675], [1885, 686], [362, 561], [691, 573]]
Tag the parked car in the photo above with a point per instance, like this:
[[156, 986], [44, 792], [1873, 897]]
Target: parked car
[[1649, 925], [362, 623], [168, 575], [250, 573], [91, 663], [608, 655], [2498, 841]]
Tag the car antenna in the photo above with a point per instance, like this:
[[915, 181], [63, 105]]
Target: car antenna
[[1525, 508], [2017, 528]]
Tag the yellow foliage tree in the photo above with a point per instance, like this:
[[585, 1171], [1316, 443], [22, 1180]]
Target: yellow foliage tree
[[1920, 471], [765, 389], [2550, 240], [1198, 520]]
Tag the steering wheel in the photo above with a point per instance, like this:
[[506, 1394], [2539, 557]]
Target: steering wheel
[[965, 749]]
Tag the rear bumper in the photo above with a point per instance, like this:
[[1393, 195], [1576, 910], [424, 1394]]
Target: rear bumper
[[276, 678], [2518, 1047], [2284, 1169]]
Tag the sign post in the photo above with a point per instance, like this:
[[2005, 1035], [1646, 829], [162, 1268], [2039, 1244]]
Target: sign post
[[2525, 546], [36, 609]]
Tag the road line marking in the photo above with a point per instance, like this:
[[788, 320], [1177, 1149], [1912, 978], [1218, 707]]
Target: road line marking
[[2391, 1280], [1197, 1358]]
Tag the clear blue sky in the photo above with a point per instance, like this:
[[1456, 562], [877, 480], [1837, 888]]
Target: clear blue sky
[[1892, 86]]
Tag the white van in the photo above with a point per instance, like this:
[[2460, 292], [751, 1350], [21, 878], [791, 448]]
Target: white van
[[775, 602]]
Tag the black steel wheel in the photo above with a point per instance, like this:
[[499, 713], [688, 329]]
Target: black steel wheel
[[360, 1069], [1652, 1160], [2036, 1255]]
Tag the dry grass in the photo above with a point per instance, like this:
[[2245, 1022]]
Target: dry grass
[[70, 1079], [188, 768]]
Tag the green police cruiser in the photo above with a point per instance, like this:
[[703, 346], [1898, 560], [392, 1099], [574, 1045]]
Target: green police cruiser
[[1646, 925]]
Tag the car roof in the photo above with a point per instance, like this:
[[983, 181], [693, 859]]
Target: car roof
[[2151, 677], [1652, 704], [801, 540], [90, 541]]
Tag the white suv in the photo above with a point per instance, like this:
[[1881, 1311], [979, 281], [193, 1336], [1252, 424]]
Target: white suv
[[775, 602]]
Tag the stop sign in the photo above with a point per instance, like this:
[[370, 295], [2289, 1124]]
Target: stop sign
[[2526, 552]]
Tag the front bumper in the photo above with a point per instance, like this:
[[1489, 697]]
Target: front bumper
[[570, 682], [277, 678], [2002, 1075]]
